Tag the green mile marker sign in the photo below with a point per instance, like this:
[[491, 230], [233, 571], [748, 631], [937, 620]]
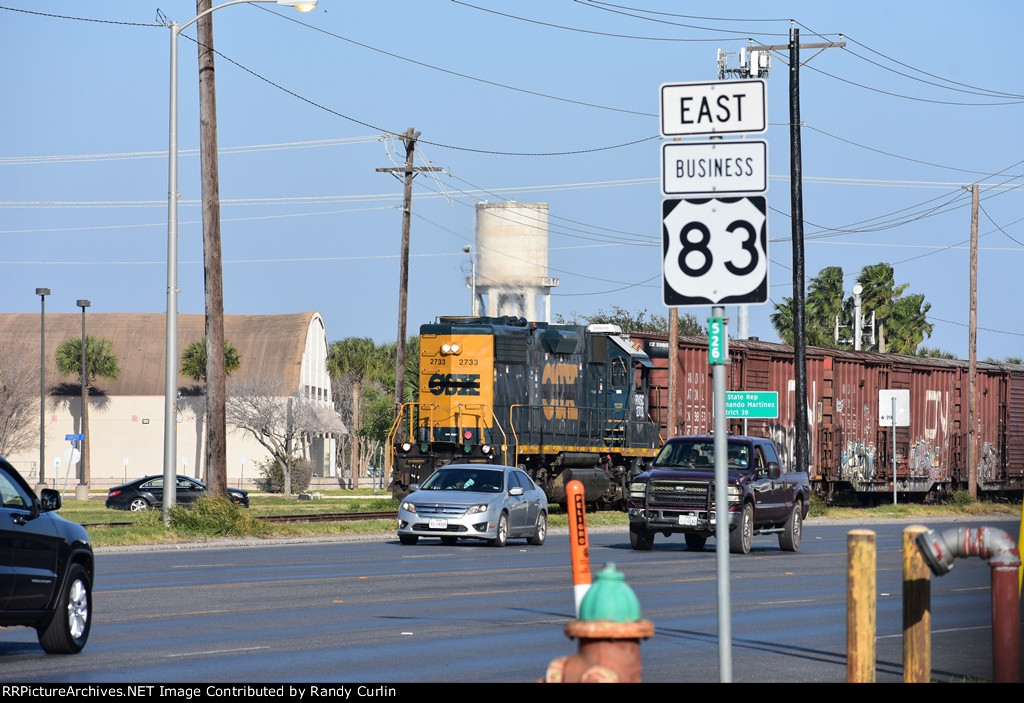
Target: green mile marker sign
[[752, 404]]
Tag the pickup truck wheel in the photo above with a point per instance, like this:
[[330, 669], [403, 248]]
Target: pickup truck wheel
[[742, 536], [790, 538], [640, 538], [695, 543]]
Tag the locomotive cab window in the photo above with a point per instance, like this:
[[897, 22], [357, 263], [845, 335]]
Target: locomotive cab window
[[619, 375]]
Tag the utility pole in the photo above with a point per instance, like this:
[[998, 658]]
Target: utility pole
[[797, 218], [972, 343], [216, 375], [409, 138]]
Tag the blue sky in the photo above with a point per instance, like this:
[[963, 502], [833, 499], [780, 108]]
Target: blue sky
[[533, 101]]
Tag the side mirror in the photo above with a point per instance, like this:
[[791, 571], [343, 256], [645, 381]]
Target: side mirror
[[773, 470], [515, 491], [49, 499], [414, 487]]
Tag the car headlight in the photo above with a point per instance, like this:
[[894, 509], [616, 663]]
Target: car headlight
[[637, 489], [408, 507], [474, 509], [734, 494]]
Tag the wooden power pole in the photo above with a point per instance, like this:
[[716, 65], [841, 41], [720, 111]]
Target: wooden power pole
[[408, 171], [213, 277], [972, 343]]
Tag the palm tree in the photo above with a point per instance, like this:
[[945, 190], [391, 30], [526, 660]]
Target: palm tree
[[193, 360], [908, 323], [879, 294], [824, 304], [353, 359], [782, 320], [193, 365], [100, 362]]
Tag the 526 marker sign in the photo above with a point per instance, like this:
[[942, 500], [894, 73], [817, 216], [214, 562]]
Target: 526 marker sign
[[715, 251]]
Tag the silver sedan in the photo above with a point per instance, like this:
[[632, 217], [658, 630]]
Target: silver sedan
[[475, 501]]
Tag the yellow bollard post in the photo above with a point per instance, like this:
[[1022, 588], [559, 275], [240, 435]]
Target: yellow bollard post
[[860, 606], [917, 614]]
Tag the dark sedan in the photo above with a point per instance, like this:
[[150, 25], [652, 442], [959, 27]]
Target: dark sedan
[[148, 492]]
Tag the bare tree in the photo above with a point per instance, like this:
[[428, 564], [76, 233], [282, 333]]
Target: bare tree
[[257, 406], [19, 388]]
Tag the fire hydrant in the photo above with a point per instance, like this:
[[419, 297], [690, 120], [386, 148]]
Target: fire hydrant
[[609, 632]]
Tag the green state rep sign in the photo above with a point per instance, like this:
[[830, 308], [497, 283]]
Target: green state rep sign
[[752, 404]]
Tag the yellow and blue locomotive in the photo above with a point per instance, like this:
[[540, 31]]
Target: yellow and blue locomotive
[[564, 402]]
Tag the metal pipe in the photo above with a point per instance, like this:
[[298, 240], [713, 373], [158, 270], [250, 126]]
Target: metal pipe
[[995, 545]]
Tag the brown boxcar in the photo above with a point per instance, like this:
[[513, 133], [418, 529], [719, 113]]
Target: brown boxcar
[[848, 452]]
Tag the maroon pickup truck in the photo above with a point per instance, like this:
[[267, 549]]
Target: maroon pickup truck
[[677, 495]]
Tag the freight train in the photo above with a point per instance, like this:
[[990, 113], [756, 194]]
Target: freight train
[[590, 403], [564, 402], [849, 452]]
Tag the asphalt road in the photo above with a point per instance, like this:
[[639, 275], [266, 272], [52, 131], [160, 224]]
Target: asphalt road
[[370, 610]]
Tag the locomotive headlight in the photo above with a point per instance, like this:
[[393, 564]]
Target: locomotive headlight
[[456, 348], [446, 348], [406, 446], [486, 449]]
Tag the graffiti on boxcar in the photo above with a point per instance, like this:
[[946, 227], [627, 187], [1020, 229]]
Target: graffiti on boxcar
[[695, 404], [989, 463], [857, 460], [924, 456]]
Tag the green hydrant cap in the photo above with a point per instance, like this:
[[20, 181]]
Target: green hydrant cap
[[610, 598]]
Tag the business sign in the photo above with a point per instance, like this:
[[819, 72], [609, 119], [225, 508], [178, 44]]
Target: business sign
[[714, 167], [714, 108], [715, 251], [752, 404]]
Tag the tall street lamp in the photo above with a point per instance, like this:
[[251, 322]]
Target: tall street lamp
[[171, 355], [82, 491], [42, 293]]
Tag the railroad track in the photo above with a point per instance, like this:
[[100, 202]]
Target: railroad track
[[305, 517]]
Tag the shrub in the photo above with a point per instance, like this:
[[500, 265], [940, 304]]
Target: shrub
[[271, 475], [215, 517], [961, 499]]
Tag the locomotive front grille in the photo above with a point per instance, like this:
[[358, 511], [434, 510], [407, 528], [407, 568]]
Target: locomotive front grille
[[679, 494]]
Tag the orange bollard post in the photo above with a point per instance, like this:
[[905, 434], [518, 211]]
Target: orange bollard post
[[579, 544]]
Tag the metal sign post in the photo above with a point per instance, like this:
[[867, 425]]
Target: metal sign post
[[894, 411]]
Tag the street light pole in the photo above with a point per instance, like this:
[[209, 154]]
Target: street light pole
[[171, 348], [42, 293], [82, 491]]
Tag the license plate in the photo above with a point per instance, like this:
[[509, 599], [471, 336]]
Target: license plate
[[688, 520], [438, 524]]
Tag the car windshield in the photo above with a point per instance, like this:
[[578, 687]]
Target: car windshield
[[472, 480], [701, 455]]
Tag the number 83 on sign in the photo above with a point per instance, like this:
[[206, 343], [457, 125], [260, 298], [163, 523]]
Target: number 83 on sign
[[715, 251]]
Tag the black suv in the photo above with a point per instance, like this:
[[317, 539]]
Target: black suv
[[46, 566]]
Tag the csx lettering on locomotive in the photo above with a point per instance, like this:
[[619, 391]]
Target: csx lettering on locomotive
[[455, 384], [558, 391]]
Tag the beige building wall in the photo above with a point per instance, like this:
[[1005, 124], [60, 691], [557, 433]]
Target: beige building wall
[[126, 416]]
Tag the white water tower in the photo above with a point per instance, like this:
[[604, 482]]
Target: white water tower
[[512, 260]]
